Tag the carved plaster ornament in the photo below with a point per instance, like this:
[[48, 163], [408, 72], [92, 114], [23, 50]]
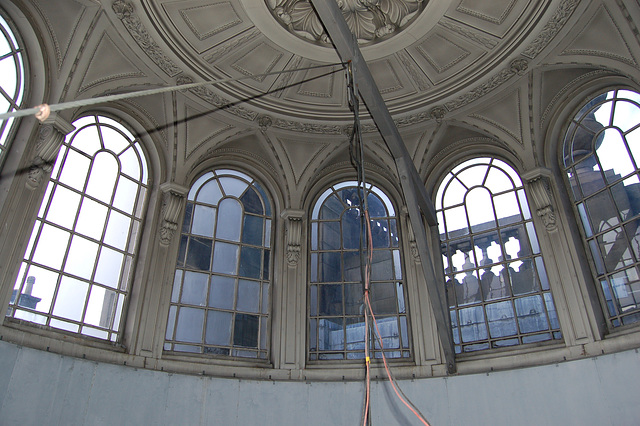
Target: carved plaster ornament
[[293, 220], [369, 20], [171, 207], [51, 134], [541, 197]]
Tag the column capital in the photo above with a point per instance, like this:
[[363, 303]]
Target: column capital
[[173, 199]]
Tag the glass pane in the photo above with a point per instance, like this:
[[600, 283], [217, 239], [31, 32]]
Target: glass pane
[[626, 287], [456, 222], [64, 207], [379, 233], [218, 328], [602, 211], [251, 202], [252, 230], [225, 258], [126, 194], [507, 208], [265, 199], [501, 319], [203, 221], [382, 265], [117, 230], [130, 163], [531, 314], [171, 322], [351, 229], [101, 306], [472, 324], [177, 283], [199, 254], [194, 288], [102, 178], [470, 291], [92, 218], [245, 330], [330, 267], [233, 186], [480, 210], [331, 209], [626, 115], [330, 299], [613, 156], [229, 220], [222, 292], [250, 262], [498, 181], [210, 193], [329, 235], [109, 267], [74, 170], [383, 298], [248, 296], [70, 300], [625, 195], [82, 257], [188, 212], [614, 249], [190, 324], [87, 139]]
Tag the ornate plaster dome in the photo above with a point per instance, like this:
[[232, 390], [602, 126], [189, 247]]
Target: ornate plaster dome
[[427, 58]]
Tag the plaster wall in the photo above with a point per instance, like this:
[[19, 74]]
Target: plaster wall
[[38, 387]]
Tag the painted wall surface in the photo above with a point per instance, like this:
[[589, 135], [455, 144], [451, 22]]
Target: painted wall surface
[[39, 387]]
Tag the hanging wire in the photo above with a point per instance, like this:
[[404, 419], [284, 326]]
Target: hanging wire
[[42, 111], [356, 153]]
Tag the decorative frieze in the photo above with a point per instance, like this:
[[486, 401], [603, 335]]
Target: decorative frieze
[[293, 223], [52, 132], [173, 200]]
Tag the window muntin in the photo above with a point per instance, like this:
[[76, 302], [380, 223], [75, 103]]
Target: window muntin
[[220, 299], [496, 283], [601, 159], [336, 307], [76, 271], [12, 81]]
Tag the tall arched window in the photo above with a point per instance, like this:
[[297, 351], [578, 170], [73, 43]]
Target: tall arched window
[[496, 283], [336, 306], [78, 264], [12, 81], [602, 160], [220, 299]]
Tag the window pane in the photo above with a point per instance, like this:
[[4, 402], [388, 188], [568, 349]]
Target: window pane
[[226, 300]]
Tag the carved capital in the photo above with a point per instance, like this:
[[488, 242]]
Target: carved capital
[[173, 197], [541, 198], [51, 134], [519, 66], [293, 225]]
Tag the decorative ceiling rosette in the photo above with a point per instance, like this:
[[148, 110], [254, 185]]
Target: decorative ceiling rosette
[[370, 20]]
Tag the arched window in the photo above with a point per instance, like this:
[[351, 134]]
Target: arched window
[[336, 306], [497, 287], [220, 299], [78, 264], [601, 160], [12, 81]]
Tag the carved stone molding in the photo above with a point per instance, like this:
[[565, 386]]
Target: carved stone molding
[[555, 24], [173, 196], [293, 219], [125, 12], [541, 198], [413, 246], [52, 132]]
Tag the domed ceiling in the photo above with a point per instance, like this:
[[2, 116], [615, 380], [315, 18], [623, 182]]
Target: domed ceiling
[[427, 57]]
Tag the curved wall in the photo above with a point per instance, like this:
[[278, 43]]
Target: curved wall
[[39, 387]]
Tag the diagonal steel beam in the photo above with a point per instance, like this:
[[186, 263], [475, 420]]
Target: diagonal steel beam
[[415, 194]]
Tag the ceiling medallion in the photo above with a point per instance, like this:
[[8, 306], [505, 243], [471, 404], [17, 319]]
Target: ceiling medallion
[[370, 20]]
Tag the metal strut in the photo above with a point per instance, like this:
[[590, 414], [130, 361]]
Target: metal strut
[[418, 203]]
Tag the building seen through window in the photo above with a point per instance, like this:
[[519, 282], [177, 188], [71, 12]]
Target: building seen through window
[[602, 159], [220, 299], [12, 81], [336, 306], [77, 268], [496, 284]]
